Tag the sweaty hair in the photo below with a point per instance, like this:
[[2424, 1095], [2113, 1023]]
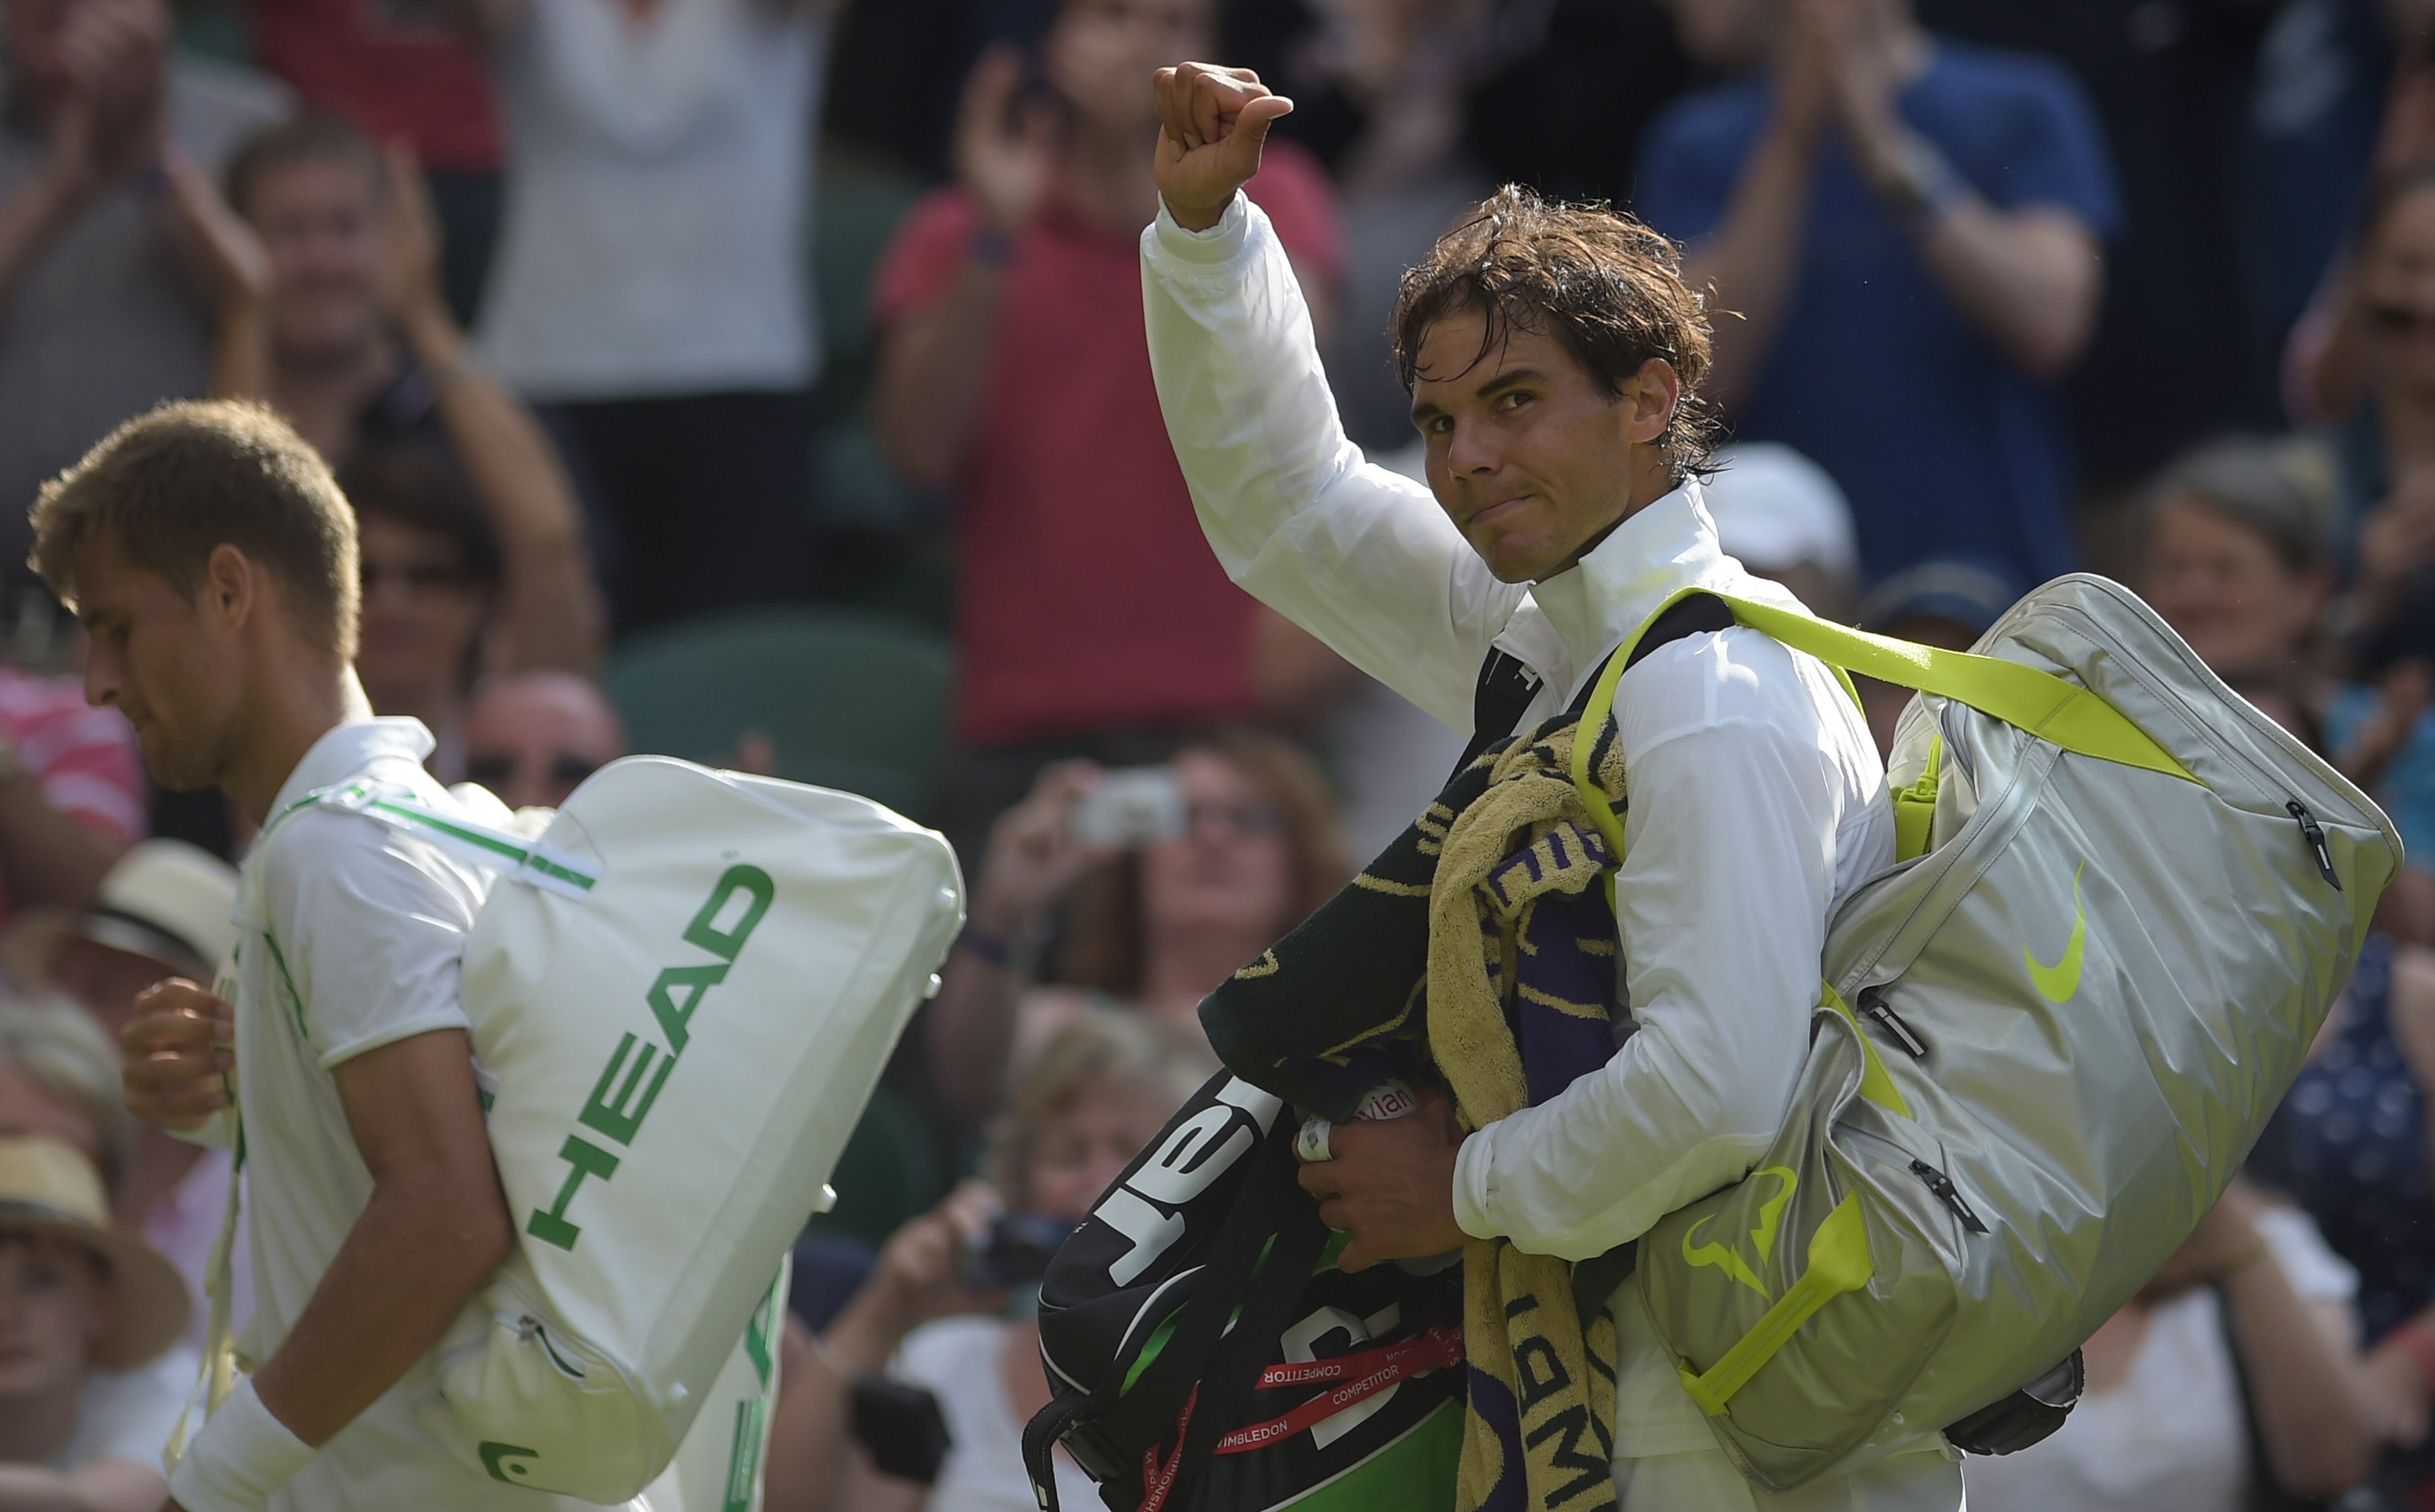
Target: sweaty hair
[[170, 487], [309, 138], [1598, 280]]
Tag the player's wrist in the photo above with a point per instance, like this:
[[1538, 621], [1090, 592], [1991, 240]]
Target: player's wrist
[[241, 1457], [1198, 218]]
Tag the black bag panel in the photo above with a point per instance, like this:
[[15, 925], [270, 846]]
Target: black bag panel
[[1204, 1265]]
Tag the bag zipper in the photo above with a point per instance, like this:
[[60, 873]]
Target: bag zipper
[[1947, 1194], [1873, 1005], [2313, 835]]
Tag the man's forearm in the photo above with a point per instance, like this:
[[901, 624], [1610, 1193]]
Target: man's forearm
[[2028, 278], [1748, 266], [419, 1250], [934, 368], [553, 618]]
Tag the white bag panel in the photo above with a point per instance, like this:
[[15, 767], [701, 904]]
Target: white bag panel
[[679, 1057]]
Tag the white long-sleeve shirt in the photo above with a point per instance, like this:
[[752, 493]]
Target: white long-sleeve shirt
[[1758, 798]]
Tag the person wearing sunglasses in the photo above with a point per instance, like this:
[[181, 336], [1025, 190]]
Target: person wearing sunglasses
[[533, 737]]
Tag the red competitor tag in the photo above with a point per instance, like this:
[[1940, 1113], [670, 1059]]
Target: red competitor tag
[[1364, 1375]]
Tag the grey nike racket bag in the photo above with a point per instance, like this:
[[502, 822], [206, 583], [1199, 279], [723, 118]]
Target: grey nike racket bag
[[2046, 1037]]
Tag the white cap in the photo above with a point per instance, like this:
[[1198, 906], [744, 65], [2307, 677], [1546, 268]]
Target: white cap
[[1775, 510], [163, 898]]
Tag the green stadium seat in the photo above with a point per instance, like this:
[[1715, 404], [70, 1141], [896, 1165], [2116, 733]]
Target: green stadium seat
[[851, 700]]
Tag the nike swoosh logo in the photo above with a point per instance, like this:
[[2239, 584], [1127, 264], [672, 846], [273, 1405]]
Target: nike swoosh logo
[[2059, 981]]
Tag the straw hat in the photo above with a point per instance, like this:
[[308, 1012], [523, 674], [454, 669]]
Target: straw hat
[[49, 1186], [164, 900]]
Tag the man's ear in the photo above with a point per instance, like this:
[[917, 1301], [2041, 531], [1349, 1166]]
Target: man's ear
[[1649, 397], [231, 586]]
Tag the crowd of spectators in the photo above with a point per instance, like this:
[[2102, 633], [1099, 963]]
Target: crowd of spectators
[[619, 318]]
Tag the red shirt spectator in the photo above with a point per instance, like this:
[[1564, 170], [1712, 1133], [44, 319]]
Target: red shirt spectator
[[84, 758], [394, 67], [1088, 597]]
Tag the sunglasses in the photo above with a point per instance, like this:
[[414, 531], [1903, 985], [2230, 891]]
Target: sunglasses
[[495, 771]]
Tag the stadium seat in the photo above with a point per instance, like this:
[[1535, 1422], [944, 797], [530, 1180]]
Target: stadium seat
[[854, 701]]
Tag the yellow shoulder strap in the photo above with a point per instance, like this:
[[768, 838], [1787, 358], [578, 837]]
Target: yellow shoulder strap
[[2039, 702]]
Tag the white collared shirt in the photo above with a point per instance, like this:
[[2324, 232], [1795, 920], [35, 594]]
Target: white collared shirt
[[369, 927], [1758, 798]]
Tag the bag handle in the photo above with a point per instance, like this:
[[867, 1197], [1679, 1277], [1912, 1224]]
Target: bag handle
[[2038, 702]]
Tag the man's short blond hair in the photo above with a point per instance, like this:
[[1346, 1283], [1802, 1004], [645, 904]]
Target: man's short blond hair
[[170, 487]]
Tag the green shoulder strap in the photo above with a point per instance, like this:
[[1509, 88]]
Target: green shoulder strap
[[2038, 702]]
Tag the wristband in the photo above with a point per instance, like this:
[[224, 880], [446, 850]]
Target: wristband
[[1312, 1144], [2417, 1341], [242, 1455]]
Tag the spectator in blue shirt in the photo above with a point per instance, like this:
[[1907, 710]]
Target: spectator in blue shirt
[[1906, 232]]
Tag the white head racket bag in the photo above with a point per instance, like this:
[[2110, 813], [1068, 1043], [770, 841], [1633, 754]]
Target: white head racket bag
[[682, 992]]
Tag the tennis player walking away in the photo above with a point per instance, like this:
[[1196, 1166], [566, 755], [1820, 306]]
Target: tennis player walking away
[[213, 563], [1553, 355]]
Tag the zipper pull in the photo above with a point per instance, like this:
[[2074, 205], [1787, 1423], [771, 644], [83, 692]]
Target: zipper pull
[[2313, 835], [1872, 1004], [1948, 1193]]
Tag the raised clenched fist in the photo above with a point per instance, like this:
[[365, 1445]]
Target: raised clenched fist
[[1212, 122]]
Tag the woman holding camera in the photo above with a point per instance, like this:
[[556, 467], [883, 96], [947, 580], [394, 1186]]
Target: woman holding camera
[[1153, 900], [916, 1393]]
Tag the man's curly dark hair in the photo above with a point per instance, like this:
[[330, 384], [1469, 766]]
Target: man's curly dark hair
[[1606, 286]]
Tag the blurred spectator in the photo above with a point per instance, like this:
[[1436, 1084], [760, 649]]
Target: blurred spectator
[[1554, 93], [80, 1427], [1091, 619], [1947, 604], [432, 578], [2235, 555], [356, 348], [164, 911], [649, 277], [533, 737], [2246, 1340], [402, 74], [99, 319], [1907, 231], [2376, 372], [934, 1318], [71, 790], [2241, 135], [2350, 1142], [1781, 516], [1385, 106], [2381, 733], [1159, 925]]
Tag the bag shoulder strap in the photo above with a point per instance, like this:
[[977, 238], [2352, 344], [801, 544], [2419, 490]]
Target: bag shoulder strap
[[2038, 702], [518, 857]]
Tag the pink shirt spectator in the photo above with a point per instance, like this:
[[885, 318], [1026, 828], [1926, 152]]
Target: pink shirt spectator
[[1089, 599], [84, 757]]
